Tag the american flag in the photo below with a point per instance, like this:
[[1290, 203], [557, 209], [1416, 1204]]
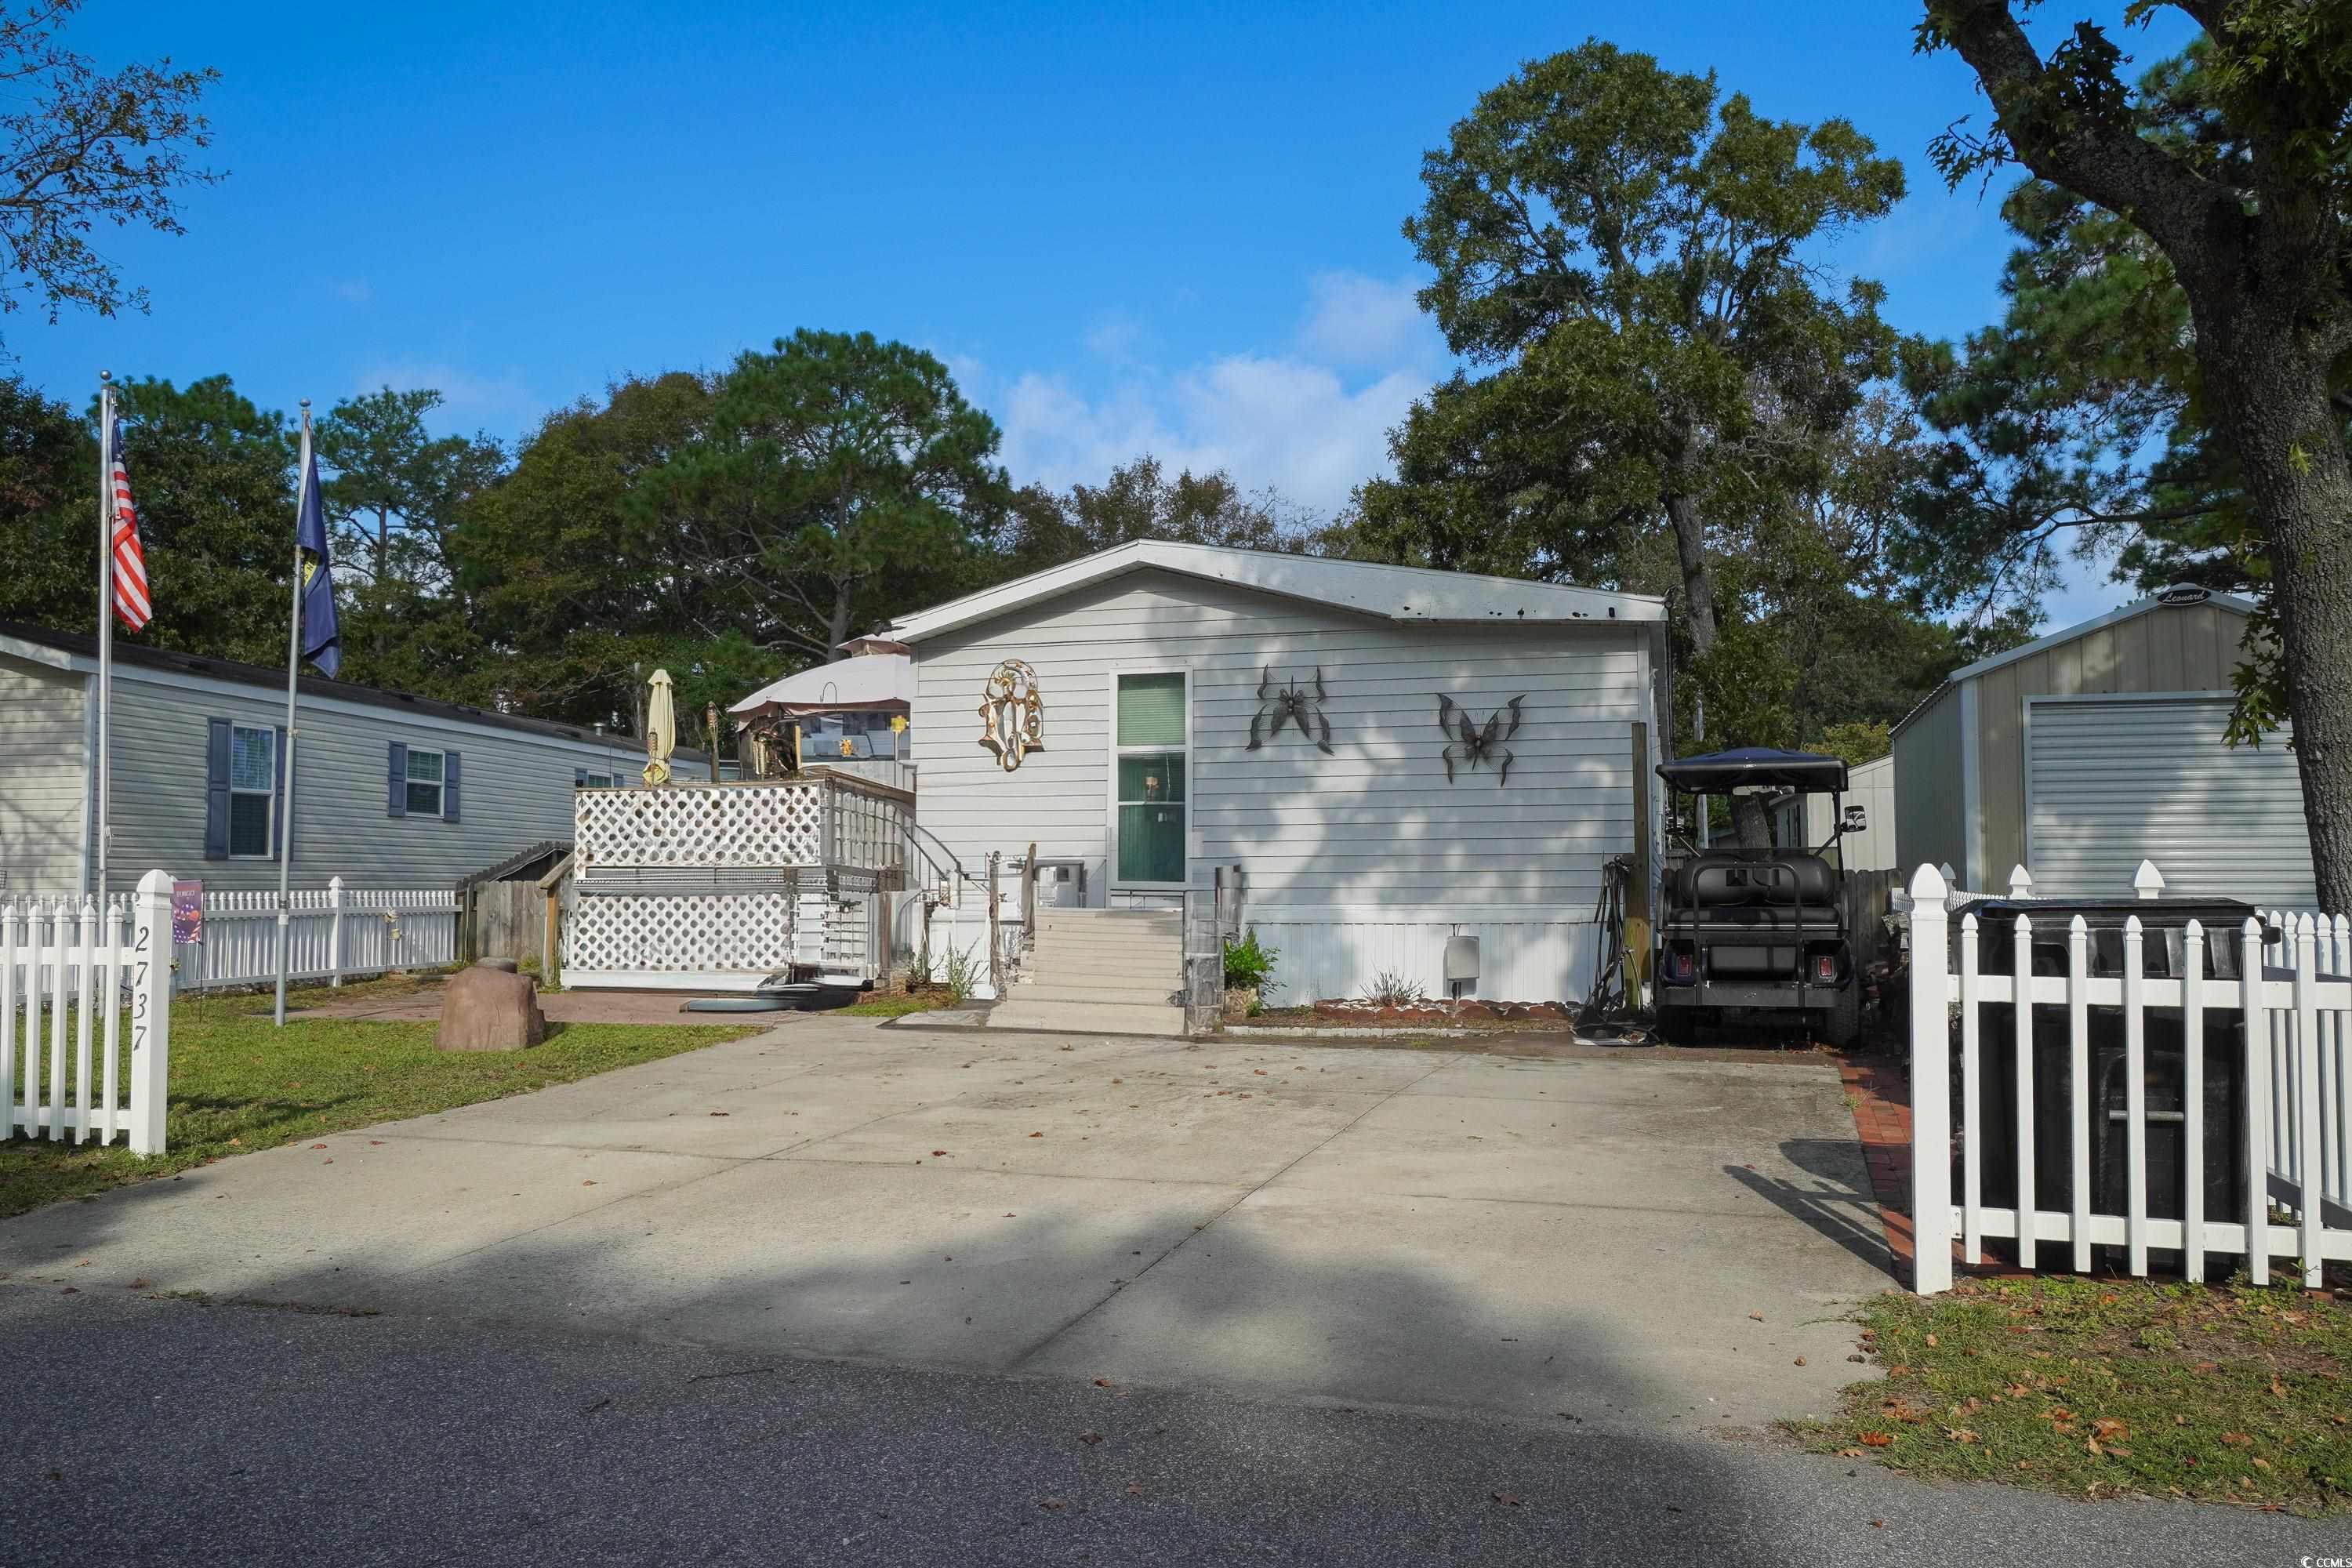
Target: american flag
[[130, 605]]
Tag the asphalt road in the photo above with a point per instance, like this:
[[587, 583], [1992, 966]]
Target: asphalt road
[[147, 1431]]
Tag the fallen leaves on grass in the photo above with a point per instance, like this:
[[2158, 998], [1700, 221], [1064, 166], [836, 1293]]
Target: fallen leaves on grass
[[1874, 1440]]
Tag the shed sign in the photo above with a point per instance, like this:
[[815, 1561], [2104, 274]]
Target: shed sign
[[187, 913]]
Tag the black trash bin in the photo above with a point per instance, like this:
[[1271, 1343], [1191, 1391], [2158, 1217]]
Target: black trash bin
[[2162, 923]]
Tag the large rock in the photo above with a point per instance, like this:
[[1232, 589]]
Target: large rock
[[489, 1008]]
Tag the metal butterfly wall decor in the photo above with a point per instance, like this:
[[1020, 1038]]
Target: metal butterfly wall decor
[[1471, 742], [1291, 704]]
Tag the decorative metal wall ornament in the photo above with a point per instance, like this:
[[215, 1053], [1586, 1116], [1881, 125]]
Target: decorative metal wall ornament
[[1291, 704], [1012, 713], [1471, 742]]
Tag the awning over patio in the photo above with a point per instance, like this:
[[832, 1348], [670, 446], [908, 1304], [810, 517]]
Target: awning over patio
[[870, 683]]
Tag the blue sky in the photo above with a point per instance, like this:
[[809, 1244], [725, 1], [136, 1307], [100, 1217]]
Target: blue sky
[[1174, 231]]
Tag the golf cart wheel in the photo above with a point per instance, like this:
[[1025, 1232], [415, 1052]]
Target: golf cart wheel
[[1841, 1020], [1674, 1026]]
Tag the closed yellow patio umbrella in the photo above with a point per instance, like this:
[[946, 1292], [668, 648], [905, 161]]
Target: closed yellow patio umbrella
[[661, 729]]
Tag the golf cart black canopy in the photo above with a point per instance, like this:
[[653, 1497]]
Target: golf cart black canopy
[[1720, 772]]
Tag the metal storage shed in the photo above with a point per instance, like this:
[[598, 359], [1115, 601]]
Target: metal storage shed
[[2085, 752]]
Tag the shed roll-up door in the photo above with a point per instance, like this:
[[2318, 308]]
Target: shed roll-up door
[[2113, 781]]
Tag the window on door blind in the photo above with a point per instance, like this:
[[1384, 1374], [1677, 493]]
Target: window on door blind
[[252, 790], [1151, 778]]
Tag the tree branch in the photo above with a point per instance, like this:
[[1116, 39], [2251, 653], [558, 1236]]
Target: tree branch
[[2101, 158]]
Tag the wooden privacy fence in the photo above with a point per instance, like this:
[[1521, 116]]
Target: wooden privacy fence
[[332, 933], [85, 1014], [2262, 1051]]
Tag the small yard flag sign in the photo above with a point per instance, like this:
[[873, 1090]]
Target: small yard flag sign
[[129, 563]]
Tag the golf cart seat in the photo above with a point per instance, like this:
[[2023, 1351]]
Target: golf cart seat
[[1722, 886]]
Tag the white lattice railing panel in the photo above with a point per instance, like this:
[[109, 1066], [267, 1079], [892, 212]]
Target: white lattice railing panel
[[741, 931], [708, 825]]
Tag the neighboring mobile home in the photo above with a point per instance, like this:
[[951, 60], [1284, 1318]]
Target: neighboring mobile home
[[1156, 712], [1807, 821], [391, 791], [2086, 751]]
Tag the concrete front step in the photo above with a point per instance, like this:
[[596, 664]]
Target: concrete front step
[[1087, 1018], [1057, 941], [1097, 920], [1109, 933], [1095, 989], [1141, 968], [1137, 957], [1171, 951], [1052, 968]]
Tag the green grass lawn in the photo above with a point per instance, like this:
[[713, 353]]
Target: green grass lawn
[[2107, 1387], [239, 1084]]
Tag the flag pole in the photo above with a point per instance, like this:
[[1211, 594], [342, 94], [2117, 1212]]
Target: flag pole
[[103, 786], [293, 666]]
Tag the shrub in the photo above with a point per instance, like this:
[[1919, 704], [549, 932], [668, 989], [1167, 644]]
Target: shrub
[[962, 974], [1391, 989], [1247, 964]]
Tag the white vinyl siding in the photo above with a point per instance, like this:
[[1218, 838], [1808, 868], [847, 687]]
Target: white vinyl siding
[[2111, 781], [1374, 825], [518, 789], [44, 779]]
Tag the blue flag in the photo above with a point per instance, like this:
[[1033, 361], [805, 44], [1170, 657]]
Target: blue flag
[[318, 636]]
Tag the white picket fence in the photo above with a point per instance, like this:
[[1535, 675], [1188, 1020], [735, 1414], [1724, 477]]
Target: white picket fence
[[86, 1017], [332, 933], [2293, 1003]]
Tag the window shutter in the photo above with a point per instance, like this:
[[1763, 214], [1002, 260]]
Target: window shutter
[[1151, 711], [580, 778], [279, 828], [449, 786], [396, 801], [216, 789]]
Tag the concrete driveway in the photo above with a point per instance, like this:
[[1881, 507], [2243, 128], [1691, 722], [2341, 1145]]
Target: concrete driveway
[[1633, 1240]]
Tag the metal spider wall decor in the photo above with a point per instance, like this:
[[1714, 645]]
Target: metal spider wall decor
[[1012, 713], [1291, 704], [1471, 742]]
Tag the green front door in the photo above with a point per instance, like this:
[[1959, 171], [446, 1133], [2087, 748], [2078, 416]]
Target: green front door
[[1151, 744]]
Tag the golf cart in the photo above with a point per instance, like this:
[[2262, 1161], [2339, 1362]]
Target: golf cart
[[1764, 933]]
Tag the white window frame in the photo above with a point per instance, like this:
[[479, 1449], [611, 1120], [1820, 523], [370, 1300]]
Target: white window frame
[[1113, 750], [409, 781], [270, 833]]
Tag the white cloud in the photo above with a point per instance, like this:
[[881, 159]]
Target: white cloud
[[501, 401], [1115, 337], [1353, 319], [1311, 421]]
